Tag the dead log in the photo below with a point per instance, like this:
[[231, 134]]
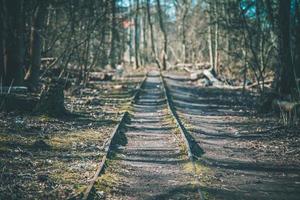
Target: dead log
[[48, 59], [207, 74], [257, 84], [101, 76], [193, 65]]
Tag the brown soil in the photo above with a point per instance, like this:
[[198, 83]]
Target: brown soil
[[54, 158], [248, 156], [240, 154]]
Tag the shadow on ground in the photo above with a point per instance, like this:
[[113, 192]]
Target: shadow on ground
[[247, 155]]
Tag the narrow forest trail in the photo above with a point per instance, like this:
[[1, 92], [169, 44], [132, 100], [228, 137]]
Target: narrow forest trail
[[152, 163]]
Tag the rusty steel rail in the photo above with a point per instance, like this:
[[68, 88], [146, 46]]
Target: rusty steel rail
[[183, 133], [109, 144]]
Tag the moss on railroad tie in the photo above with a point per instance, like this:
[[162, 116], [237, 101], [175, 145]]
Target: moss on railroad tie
[[204, 173]]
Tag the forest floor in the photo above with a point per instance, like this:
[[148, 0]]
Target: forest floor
[[42, 157], [241, 154]]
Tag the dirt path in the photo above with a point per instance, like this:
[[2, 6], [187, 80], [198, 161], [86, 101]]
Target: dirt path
[[244, 156], [152, 164]]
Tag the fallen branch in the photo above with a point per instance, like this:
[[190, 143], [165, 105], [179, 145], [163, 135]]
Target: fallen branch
[[190, 65], [196, 75]]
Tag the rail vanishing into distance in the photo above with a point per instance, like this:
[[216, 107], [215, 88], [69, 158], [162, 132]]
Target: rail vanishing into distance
[[179, 125]]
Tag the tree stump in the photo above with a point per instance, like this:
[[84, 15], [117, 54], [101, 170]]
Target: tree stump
[[52, 100]]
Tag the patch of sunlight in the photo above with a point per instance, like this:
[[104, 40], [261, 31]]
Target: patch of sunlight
[[79, 188], [187, 124], [68, 140], [125, 107], [107, 182], [11, 139], [204, 173], [43, 118], [65, 176]]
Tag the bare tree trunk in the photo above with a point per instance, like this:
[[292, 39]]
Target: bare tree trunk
[[227, 40], [287, 78], [14, 43], [32, 75], [114, 36], [270, 12], [185, 12], [210, 44], [104, 55], [86, 57], [216, 56], [145, 41], [137, 35], [245, 70], [297, 51], [2, 42], [162, 27], [153, 47]]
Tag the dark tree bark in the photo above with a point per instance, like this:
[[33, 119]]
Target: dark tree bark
[[287, 78], [137, 35], [297, 50], [145, 41], [2, 43], [162, 27], [184, 39], [14, 43], [114, 34], [32, 76], [153, 47], [270, 12]]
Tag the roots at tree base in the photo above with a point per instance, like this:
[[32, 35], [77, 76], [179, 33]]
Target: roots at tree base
[[52, 99]]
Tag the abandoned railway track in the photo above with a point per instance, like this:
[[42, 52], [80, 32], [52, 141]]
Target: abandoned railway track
[[151, 155]]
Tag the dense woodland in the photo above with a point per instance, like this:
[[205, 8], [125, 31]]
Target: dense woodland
[[150, 99], [244, 41]]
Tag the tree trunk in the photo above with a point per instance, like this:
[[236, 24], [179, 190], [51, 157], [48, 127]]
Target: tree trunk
[[114, 36], [32, 76], [297, 50], [14, 43], [185, 12], [153, 47], [270, 12], [2, 43], [130, 32], [145, 41], [162, 27], [210, 43], [287, 78], [137, 35], [216, 57]]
